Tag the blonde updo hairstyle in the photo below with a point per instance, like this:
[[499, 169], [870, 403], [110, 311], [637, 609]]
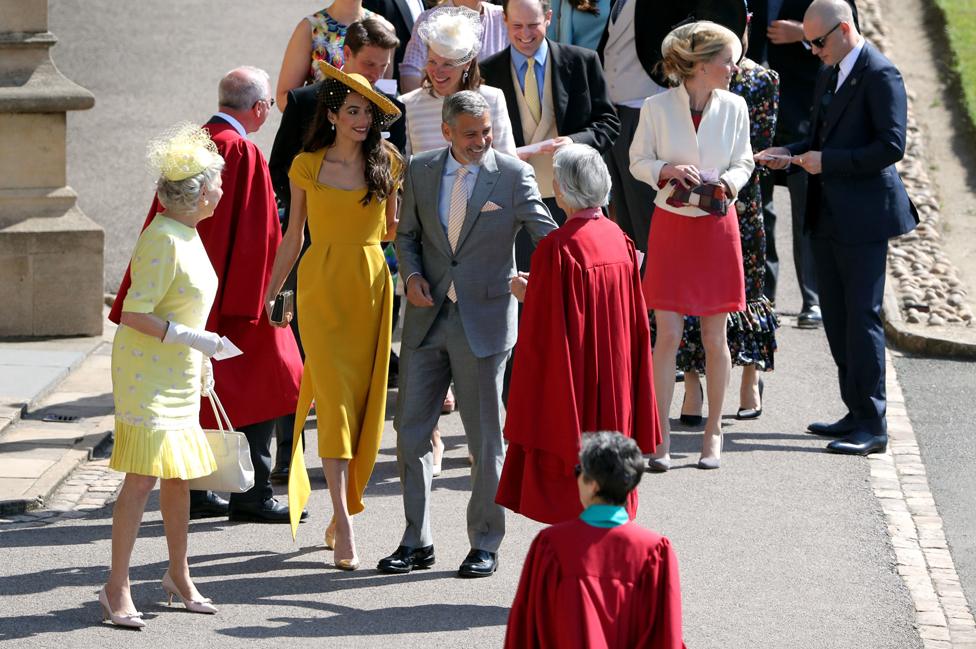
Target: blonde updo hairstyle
[[689, 45]]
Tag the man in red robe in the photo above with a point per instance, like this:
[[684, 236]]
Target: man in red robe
[[241, 238], [599, 581], [583, 358]]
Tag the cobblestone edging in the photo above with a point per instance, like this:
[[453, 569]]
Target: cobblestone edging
[[927, 284], [898, 479], [91, 487]]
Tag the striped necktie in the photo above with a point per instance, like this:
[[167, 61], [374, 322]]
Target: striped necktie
[[455, 217]]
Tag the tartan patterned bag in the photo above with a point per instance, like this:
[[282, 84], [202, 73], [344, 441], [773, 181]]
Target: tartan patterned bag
[[709, 197]]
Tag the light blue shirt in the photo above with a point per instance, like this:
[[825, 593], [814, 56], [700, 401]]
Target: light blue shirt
[[521, 64], [233, 122], [578, 27], [447, 185], [604, 515]]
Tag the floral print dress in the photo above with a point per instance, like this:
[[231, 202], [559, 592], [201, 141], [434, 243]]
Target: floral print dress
[[328, 38], [751, 333]]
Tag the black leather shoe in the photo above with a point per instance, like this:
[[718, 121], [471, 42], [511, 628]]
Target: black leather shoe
[[859, 442], [479, 563], [809, 318], [207, 506], [752, 413], [279, 475], [269, 511], [406, 559], [839, 428], [691, 420]]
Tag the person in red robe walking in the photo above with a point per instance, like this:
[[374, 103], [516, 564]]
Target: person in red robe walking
[[583, 359], [599, 581], [241, 239]]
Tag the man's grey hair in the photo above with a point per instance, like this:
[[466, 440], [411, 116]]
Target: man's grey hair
[[467, 102], [242, 87], [831, 11], [183, 196], [582, 176]]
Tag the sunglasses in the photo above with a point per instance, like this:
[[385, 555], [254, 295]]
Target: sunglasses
[[270, 102], [820, 42]]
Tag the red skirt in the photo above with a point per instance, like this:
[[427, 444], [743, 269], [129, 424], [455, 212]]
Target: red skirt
[[694, 264]]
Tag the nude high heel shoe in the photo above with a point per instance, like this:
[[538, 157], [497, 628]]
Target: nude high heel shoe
[[330, 534], [715, 461], [192, 605], [133, 621]]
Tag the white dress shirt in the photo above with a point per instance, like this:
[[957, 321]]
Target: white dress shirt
[[847, 63]]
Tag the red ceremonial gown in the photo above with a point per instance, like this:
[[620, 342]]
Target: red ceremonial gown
[[241, 239], [582, 364], [597, 588]]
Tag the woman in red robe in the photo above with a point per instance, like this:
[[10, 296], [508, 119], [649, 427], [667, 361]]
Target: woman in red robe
[[583, 359], [599, 581]]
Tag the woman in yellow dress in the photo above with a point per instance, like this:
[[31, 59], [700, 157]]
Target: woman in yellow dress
[[160, 362], [344, 184]]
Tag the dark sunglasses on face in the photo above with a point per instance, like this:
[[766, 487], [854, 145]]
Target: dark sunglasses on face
[[820, 42]]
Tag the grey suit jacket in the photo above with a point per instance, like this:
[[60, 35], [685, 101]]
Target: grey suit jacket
[[484, 260]]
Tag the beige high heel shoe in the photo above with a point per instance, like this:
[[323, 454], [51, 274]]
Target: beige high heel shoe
[[192, 605], [330, 534], [133, 621], [708, 442]]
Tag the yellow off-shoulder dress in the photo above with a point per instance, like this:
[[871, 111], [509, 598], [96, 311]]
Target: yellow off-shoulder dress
[[156, 385], [345, 297]]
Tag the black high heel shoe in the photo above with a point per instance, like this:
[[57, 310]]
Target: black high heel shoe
[[752, 413], [692, 420]]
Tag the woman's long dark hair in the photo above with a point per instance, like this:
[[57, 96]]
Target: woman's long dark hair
[[381, 182]]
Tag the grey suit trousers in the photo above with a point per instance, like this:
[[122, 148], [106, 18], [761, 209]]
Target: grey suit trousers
[[425, 373]]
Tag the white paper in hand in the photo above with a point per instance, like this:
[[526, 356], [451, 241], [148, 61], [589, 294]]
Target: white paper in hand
[[230, 350]]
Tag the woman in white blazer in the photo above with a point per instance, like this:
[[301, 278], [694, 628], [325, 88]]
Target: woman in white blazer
[[694, 133]]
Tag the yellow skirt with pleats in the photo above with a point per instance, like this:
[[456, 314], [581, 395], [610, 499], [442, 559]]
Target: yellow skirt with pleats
[[182, 453]]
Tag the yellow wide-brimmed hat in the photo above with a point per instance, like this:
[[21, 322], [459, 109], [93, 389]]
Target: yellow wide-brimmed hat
[[387, 112]]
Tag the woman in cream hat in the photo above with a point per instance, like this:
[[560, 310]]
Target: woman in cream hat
[[344, 185], [160, 362], [453, 38]]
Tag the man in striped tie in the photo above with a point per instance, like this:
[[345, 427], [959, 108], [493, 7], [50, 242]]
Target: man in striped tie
[[462, 208]]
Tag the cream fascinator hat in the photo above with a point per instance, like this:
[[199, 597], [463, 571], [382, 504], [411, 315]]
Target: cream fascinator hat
[[452, 32], [183, 151]]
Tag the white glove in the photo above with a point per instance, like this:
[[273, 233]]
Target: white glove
[[206, 342], [206, 376]]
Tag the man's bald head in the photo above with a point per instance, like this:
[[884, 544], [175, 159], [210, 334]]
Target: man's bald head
[[245, 94], [242, 87], [830, 12], [828, 26]]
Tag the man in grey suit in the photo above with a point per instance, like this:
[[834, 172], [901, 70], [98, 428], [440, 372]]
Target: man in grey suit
[[462, 208]]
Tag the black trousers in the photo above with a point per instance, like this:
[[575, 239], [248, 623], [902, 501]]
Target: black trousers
[[802, 251]]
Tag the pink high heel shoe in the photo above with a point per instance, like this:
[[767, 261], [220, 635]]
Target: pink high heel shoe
[[192, 605], [132, 621]]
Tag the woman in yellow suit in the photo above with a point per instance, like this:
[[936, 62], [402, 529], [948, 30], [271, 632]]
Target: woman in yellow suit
[[344, 184]]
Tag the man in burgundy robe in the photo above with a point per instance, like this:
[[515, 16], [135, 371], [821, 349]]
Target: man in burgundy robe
[[582, 364], [241, 239]]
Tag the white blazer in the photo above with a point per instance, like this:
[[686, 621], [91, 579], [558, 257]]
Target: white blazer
[[666, 135]]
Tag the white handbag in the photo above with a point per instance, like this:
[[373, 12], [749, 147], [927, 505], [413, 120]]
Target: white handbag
[[235, 472]]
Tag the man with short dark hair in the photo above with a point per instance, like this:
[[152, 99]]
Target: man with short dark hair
[[462, 206], [555, 93]]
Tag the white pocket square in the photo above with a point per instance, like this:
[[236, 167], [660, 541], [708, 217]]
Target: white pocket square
[[491, 207]]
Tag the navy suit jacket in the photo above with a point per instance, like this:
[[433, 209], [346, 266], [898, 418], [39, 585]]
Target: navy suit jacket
[[583, 109], [861, 193]]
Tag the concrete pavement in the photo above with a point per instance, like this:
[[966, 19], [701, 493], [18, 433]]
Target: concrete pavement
[[785, 546]]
